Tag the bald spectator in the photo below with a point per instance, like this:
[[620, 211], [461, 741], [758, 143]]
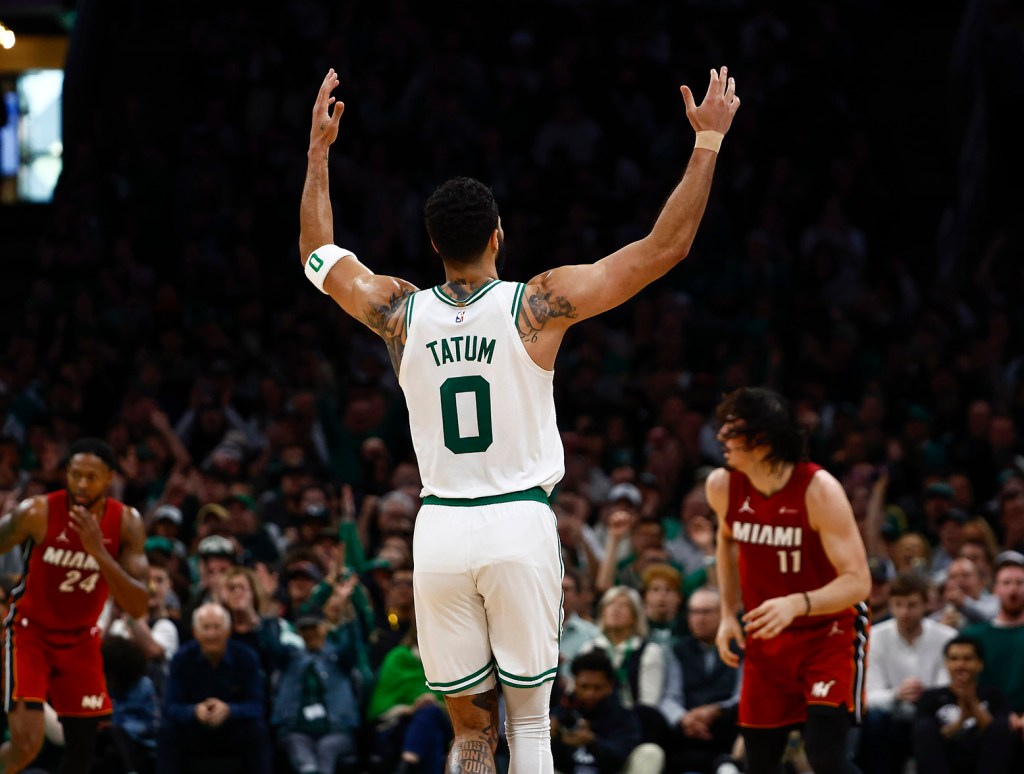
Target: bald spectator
[[214, 708]]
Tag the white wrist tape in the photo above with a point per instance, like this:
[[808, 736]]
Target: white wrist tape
[[321, 261], [709, 139]]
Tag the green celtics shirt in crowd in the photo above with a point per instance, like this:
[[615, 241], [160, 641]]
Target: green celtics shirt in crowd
[[481, 412]]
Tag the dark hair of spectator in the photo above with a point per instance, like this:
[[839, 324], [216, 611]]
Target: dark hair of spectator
[[594, 661], [648, 521], [965, 639], [158, 559], [909, 583], [767, 419], [96, 447], [124, 662], [460, 217]]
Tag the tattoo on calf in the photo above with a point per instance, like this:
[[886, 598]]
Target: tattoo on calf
[[488, 701], [471, 757], [538, 310]]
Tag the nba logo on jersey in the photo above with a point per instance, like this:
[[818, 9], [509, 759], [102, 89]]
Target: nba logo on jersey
[[460, 316]]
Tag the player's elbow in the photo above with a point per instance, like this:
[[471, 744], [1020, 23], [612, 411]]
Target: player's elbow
[[861, 586], [305, 250]]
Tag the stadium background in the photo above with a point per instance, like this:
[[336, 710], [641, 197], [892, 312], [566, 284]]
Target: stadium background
[[861, 251]]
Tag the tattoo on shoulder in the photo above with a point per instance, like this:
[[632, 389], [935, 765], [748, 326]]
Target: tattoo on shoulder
[[388, 320], [538, 310]]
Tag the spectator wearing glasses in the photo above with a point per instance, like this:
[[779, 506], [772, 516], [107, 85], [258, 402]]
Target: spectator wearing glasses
[[705, 725]]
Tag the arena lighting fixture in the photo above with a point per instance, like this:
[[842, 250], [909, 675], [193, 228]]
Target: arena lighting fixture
[[6, 37]]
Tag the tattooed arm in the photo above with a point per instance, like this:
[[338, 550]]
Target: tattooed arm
[[375, 300]]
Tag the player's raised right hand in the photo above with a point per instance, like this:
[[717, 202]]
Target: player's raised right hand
[[729, 631], [720, 104]]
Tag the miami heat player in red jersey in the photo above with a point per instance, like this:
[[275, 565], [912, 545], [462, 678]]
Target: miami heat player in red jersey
[[790, 556], [79, 546]]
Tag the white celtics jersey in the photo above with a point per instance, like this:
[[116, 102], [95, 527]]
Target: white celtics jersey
[[481, 412]]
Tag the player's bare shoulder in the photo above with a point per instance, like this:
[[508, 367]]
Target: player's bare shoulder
[[133, 528], [716, 489], [826, 500], [545, 304], [385, 312], [28, 519]]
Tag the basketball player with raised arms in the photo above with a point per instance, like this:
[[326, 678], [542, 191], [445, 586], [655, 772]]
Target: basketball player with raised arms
[[789, 554], [475, 358], [79, 546]]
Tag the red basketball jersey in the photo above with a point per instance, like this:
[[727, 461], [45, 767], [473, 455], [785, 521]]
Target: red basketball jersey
[[779, 552], [63, 589]]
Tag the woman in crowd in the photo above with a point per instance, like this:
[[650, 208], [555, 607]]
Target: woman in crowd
[[640, 664]]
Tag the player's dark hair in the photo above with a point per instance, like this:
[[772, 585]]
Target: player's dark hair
[[767, 419], [966, 639], [909, 583], [94, 446], [460, 217], [593, 661]]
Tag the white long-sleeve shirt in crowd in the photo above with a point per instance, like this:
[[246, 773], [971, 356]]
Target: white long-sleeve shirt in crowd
[[893, 660]]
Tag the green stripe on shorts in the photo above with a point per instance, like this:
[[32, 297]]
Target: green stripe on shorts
[[536, 494], [466, 682], [526, 682]]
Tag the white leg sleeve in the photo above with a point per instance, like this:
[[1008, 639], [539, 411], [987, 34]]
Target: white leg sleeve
[[528, 729]]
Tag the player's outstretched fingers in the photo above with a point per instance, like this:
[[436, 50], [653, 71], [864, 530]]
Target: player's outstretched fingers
[[688, 99], [723, 81], [712, 85]]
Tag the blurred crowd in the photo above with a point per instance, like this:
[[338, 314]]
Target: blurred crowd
[[261, 432]]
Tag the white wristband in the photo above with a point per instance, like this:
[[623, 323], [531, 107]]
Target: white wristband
[[321, 261]]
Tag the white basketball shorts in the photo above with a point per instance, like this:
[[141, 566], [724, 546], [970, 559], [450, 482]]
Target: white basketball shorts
[[488, 590]]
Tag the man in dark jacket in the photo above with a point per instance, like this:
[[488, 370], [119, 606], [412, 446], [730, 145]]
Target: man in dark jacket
[[705, 726], [213, 707], [591, 731], [963, 728], [316, 713]]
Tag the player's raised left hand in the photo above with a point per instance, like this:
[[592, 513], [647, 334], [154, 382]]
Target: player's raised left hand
[[88, 529], [325, 123], [772, 616]]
